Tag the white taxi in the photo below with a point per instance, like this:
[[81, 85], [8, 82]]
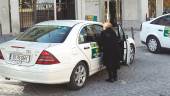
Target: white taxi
[[156, 33], [55, 52]]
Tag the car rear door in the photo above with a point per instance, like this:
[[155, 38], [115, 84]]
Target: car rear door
[[89, 46]]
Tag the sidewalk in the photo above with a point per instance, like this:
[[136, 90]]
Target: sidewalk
[[136, 37]]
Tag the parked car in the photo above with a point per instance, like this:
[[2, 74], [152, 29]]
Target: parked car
[[55, 52], [156, 33]]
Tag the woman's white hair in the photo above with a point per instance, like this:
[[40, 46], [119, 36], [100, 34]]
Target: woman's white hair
[[107, 25]]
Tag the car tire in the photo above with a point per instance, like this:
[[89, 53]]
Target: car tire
[[153, 44], [132, 53], [78, 77]]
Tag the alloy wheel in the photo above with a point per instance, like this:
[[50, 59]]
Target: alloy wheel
[[80, 75], [152, 45]]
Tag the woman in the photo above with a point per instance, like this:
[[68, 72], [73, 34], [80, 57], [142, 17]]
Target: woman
[[110, 48]]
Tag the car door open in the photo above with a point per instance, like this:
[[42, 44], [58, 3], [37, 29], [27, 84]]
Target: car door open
[[123, 44]]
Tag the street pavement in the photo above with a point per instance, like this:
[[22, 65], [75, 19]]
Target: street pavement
[[149, 75]]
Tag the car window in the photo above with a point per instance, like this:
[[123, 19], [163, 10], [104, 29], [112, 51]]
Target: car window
[[86, 35], [45, 34], [119, 32], [90, 33], [165, 21], [98, 29]]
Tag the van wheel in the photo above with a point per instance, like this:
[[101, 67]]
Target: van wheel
[[153, 44], [78, 77]]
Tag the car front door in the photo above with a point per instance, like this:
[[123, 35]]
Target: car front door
[[123, 44], [89, 45]]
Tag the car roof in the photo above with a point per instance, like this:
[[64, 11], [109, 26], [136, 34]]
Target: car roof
[[69, 23], [163, 15], [160, 17]]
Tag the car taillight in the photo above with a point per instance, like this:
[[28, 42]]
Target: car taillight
[[1, 56], [46, 58]]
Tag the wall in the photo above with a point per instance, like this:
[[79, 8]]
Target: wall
[[130, 9], [130, 13], [143, 10], [4, 16], [15, 21], [92, 8], [80, 9], [89, 7], [159, 7], [102, 11], [134, 13]]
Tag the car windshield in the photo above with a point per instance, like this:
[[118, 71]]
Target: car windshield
[[45, 34]]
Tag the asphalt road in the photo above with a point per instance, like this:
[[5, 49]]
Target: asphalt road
[[149, 75]]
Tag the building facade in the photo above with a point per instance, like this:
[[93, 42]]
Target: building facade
[[137, 11], [17, 15]]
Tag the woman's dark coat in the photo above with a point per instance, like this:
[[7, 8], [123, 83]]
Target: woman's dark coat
[[109, 46]]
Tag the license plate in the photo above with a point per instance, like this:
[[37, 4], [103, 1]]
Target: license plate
[[19, 58]]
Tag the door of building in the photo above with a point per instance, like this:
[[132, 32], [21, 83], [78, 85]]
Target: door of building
[[115, 11]]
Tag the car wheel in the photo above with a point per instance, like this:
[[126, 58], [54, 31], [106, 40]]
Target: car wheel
[[132, 53], [153, 44], [78, 77]]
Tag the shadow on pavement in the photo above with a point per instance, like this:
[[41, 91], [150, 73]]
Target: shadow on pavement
[[165, 51]]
